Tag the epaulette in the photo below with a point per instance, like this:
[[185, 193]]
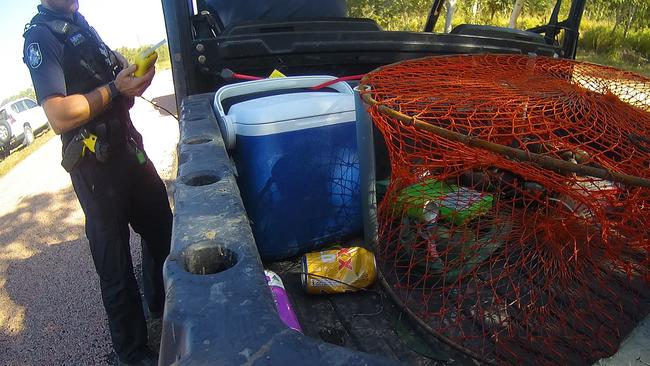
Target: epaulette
[[60, 28]]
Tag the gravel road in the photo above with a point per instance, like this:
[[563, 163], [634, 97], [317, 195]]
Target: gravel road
[[50, 303]]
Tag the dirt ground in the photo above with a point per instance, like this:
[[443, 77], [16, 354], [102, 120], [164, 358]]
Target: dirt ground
[[50, 304]]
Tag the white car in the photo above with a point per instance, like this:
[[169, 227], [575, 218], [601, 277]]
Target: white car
[[19, 121]]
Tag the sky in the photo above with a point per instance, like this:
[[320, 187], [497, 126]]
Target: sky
[[129, 23]]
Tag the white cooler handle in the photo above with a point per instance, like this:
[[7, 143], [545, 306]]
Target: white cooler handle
[[226, 123], [228, 131]]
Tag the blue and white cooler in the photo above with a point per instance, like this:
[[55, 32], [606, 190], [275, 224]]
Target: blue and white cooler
[[296, 158]]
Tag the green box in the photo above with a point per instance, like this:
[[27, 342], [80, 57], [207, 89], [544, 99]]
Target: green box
[[455, 204]]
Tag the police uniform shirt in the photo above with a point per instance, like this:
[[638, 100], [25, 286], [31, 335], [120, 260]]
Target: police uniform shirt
[[44, 55]]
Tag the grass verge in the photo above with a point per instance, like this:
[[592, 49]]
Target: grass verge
[[20, 153], [600, 59]]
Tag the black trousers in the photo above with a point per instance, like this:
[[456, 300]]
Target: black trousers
[[114, 195]]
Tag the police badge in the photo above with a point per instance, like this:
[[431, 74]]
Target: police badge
[[34, 55]]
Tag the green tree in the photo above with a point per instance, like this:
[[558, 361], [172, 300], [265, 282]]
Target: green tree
[[630, 14], [27, 93], [392, 14], [131, 53]]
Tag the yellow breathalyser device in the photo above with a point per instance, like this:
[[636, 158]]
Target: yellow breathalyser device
[[146, 58]]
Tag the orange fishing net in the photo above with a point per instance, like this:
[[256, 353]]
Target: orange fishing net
[[515, 223]]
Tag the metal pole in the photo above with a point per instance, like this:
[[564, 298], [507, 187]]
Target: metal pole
[[570, 44], [366, 153], [179, 38], [433, 15]]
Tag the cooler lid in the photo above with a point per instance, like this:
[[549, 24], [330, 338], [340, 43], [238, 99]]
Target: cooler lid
[[284, 107]]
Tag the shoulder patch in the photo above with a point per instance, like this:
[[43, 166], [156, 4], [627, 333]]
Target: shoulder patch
[[34, 55]]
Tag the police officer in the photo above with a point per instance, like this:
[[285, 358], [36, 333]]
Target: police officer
[[86, 91]]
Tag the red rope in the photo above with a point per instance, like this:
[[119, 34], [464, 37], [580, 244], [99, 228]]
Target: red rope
[[229, 74]]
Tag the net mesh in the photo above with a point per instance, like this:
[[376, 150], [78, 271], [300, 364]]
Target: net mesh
[[515, 220]]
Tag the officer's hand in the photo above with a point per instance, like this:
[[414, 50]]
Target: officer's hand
[[131, 86]]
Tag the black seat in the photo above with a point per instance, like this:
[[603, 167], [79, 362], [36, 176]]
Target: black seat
[[304, 25], [497, 32]]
